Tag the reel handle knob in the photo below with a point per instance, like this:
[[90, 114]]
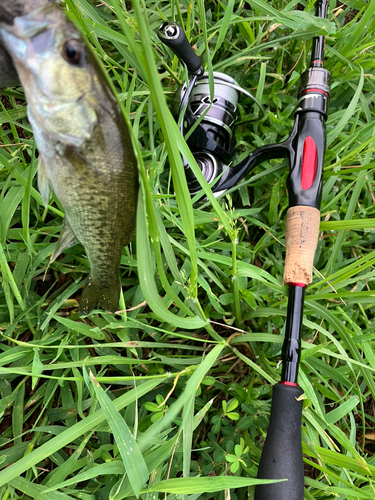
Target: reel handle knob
[[173, 36]]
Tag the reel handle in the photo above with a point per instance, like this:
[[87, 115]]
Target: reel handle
[[173, 36]]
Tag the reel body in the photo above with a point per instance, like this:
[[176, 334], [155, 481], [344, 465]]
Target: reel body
[[209, 123], [212, 142]]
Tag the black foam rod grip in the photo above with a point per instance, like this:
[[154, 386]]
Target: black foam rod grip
[[173, 36], [282, 454]]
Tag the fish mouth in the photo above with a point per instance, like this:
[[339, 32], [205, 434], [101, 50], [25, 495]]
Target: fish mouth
[[36, 32], [21, 47], [40, 19]]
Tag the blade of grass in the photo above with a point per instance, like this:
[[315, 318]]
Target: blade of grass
[[131, 455], [69, 435], [183, 486]]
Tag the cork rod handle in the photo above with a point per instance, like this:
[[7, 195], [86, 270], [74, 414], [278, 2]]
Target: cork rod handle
[[301, 240]]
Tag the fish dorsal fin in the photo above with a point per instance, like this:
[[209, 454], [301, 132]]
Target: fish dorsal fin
[[67, 239], [43, 182]]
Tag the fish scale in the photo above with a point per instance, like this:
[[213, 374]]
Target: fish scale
[[86, 154]]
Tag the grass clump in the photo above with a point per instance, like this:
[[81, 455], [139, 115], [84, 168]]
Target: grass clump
[[143, 402]]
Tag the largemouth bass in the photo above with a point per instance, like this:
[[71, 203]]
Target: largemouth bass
[[85, 151]]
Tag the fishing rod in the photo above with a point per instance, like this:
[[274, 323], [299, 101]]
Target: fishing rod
[[212, 145], [282, 452]]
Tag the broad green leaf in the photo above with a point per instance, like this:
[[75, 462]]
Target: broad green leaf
[[191, 485], [131, 455], [37, 491]]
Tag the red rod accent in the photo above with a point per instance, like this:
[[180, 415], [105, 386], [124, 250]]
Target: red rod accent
[[295, 283], [309, 163], [289, 383], [313, 90]]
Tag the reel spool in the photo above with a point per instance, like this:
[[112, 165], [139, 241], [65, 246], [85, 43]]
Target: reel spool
[[217, 122], [220, 115], [213, 144]]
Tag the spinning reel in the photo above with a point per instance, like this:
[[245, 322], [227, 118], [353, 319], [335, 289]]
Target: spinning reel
[[211, 125], [211, 140]]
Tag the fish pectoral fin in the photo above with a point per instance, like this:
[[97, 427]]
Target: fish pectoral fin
[[43, 182], [67, 239]]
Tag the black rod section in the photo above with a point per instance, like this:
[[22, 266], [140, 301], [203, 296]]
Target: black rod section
[[291, 351], [318, 44], [282, 453]]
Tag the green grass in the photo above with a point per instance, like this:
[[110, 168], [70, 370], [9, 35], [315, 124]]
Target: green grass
[[183, 378]]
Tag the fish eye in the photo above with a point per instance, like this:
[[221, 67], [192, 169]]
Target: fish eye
[[71, 52]]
